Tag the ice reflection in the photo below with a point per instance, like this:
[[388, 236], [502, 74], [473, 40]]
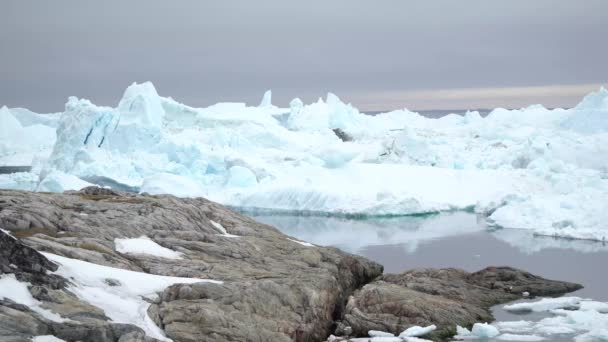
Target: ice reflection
[[410, 232], [353, 235]]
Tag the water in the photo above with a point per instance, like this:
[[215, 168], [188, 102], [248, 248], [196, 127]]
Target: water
[[458, 240]]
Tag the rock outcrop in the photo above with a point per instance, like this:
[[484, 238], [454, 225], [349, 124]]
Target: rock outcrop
[[444, 297], [275, 288]]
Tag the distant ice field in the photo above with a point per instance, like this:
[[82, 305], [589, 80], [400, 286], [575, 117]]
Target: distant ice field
[[538, 169]]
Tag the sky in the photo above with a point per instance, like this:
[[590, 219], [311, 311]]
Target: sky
[[378, 55]]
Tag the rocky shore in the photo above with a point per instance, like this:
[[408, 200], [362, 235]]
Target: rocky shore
[[239, 280]]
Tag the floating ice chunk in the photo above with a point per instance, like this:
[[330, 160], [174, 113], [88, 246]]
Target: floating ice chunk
[[553, 330], [545, 304], [377, 333], [417, 331], [514, 326], [19, 181], [143, 245], [587, 305], [413, 339], [484, 330], [17, 291], [596, 335], [166, 183], [123, 303], [516, 337], [461, 331]]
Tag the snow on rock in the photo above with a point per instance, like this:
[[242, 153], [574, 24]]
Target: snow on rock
[[545, 170], [46, 338], [221, 229], [143, 245], [18, 292], [303, 243], [123, 303]]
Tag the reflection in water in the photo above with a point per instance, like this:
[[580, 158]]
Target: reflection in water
[[459, 240], [352, 235], [454, 240], [410, 231]]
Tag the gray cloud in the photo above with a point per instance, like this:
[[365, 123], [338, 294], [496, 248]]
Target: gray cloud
[[202, 52]]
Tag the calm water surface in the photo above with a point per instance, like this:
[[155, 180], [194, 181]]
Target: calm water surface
[[458, 240]]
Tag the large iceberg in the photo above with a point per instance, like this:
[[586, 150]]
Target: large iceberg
[[540, 169]]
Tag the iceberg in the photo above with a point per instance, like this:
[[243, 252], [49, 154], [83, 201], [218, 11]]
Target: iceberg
[[538, 169]]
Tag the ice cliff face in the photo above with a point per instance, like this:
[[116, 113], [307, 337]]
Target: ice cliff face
[[533, 168]]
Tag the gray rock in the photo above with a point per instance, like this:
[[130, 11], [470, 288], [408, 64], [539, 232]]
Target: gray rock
[[26, 263], [444, 297], [274, 289]]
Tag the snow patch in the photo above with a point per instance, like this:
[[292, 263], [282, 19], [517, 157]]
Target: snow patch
[[123, 303], [18, 292], [221, 229], [303, 243], [46, 338], [143, 245]]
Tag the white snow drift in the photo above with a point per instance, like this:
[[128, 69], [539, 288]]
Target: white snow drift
[[119, 293], [143, 245], [534, 168]]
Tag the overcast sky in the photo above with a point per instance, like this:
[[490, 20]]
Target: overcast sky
[[375, 54]]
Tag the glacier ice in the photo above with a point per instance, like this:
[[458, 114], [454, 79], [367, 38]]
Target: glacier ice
[[544, 170]]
